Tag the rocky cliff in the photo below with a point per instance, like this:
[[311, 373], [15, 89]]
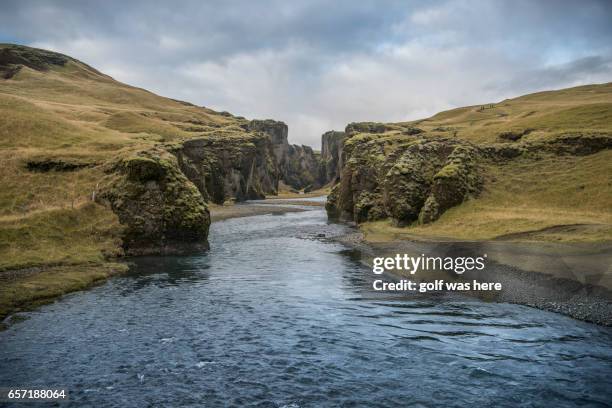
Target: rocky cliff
[[160, 194], [151, 162], [239, 168], [404, 176], [298, 165], [532, 163], [161, 211], [332, 144]]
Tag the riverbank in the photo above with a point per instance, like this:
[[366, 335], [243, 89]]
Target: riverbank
[[25, 288], [225, 212], [275, 315], [571, 279]]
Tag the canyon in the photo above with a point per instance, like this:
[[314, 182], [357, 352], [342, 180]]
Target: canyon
[[94, 170]]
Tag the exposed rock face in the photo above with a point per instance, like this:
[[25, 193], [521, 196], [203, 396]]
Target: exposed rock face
[[400, 172], [161, 210], [332, 143], [277, 131], [298, 165], [364, 127], [418, 179], [240, 168], [160, 194]]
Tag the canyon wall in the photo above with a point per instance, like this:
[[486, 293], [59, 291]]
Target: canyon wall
[[408, 175], [240, 168], [298, 165], [405, 176], [160, 194], [332, 143]]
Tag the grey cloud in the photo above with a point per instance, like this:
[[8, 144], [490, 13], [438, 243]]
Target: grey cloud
[[581, 71], [320, 64]]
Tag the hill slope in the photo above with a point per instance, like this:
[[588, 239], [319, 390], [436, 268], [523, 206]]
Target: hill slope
[[534, 167], [93, 169]]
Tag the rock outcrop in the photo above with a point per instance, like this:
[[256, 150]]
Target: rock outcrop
[[405, 176], [401, 172], [332, 143], [298, 165], [162, 212], [160, 194], [222, 168], [300, 169]]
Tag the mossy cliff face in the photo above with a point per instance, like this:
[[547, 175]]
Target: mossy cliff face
[[239, 168], [159, 194], [300, 168], [332, 143], [403, 175], [298, 165], [411, 176], [161, 210]]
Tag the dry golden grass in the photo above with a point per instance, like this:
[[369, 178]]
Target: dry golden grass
[[84, 234], [532, 192], [581, 109], [75, 114]]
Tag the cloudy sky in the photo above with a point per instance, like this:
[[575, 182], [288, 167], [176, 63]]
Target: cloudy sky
[[318, 65]]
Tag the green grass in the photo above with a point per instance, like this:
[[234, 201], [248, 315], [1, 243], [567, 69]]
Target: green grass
[[31, 290]]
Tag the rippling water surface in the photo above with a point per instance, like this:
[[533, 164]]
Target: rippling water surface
[[274, 316]]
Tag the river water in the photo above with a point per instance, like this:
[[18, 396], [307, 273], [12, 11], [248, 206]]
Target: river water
[[276, 316]]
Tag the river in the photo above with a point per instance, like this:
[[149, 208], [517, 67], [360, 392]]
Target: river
[[276, 316]]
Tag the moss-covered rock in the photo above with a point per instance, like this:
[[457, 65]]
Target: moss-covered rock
[[579, 144], [162, 211], [239, 168], [452, 184], [408, 182], [411, 179], [364, 127], [298, 165]]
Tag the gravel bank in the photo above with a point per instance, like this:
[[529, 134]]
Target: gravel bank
[[531, 275]]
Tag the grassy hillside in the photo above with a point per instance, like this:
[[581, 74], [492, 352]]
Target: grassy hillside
[[544, 193], [542, 115], [60, 122], [64, 116]]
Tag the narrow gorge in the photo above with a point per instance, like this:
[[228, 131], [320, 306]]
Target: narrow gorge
[[160, 195]]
